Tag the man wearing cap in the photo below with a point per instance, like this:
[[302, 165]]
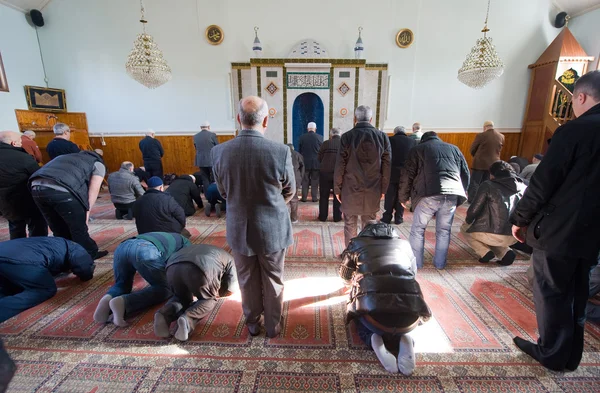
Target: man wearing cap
[[485, 151], [309, 145], [152, 153], [204, 141], [61, 143], [528, 171]]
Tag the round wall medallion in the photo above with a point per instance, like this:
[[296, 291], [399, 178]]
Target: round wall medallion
[[405, 38], [214, 35], [343, 112], [272, 112]]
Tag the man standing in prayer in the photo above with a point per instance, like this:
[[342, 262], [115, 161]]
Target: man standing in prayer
[[309, 145], [258, 223], [327, 158], [152, 153], [298, 163], [61, 143], [417, 134], [559, 216], [204, 141], [485, 150]]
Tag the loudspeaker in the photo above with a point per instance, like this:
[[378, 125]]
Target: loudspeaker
[[36, 18], [561, 20]]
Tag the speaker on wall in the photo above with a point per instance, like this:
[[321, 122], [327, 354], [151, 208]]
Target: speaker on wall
[[36, 18], [561, 20]]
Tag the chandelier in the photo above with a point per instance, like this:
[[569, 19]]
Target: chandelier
[[483, 64], [146, 63]]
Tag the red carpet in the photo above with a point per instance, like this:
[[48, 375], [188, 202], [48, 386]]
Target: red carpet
[[467, 347]]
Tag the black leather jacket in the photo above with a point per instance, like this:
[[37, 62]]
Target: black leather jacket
[[493, 204], [382, 270]]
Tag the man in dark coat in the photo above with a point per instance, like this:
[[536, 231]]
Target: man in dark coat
[[385, 301], [157, 211], [485, 150], [362, 171], [309, 145], [436, 181], [28, 267], [186, 192], [259, 229], [401, 145], [327, 156], [65, 190], [559, 216], [152, 153], [204, 141], [486, 227], [16, 203], [61, 144], [298, 163], [201, 271]]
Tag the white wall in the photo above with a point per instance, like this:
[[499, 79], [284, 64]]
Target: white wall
[[22, 63], [86, 43], [586, 28]]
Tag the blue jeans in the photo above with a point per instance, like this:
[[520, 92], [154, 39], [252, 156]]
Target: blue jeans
[[142, 256], [443, 207]]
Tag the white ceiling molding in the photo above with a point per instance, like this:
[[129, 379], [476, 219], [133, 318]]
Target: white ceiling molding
[[25, 5], [576, 7]]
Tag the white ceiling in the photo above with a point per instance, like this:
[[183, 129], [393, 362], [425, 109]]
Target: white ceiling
[[572, 7]]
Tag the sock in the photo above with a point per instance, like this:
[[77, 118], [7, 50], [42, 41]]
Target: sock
[[103, 310], [387, 359], [117, 306], [161, 327], [406, 355], [183, 329]]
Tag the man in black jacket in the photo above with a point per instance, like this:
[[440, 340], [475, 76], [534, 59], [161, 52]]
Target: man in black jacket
[[157, 211], [486, 227], [28, 267], [309, 145], [16, 203], [436, 181], [401, 145], [201, 271], [61, 143], [298, 164], [327, 156], [185, 191], [559, 216], [152, 153], [385, 301], [362, 171], [65, 190]]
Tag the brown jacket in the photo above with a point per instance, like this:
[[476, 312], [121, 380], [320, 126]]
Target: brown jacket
[[32, 148], [486, 149]]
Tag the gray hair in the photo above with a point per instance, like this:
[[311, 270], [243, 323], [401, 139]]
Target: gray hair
[[335, 131], [61, 129], [127, 165], [29, 133], [252, 119], [399, 129], [9, 137], [363, 113]]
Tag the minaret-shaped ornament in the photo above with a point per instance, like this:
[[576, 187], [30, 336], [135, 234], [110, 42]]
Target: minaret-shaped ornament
[[359, 47], [257, 46]]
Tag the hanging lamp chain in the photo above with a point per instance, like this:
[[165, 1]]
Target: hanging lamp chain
[[143, 18], [487, 15]]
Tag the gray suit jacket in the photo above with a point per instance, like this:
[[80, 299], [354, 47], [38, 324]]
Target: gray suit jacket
[[204, 141], [256, 177]]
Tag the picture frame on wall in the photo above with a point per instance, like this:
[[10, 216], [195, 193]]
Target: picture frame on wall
[[46, 99], [3, 79]]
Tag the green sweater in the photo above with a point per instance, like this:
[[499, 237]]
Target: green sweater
[[167, 243]]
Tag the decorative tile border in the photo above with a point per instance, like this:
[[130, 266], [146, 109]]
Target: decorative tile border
[[334, 62], [258, 82], [356, 85], [285, 107], [240, 66], [331, 98], [239, 75], [312, 80], [379, 78], [381, 66]]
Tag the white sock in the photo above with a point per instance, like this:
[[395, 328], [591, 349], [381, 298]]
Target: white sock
[[406, 355], [117, 306], [103, 309], [183, 329], [386, 358]]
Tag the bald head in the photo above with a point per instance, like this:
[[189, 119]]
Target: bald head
[[253, 114], [10, 138]]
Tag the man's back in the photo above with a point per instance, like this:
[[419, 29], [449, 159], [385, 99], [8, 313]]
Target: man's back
[[16, 166], [401, 145], [329, 152], [151, 149], [185, 191], [310, 143], [256, 177], [59, 146], [486, 149], [156, 211], [124, 187], [204, 141]]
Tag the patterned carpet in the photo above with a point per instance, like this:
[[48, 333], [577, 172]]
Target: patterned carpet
[[466, 347]]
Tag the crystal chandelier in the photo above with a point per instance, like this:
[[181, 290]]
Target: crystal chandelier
[[482, 65], [146, 63]]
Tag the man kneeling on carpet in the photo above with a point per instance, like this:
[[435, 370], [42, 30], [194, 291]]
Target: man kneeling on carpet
[[147, 254], [28, 267], [386, 301], [200, 271]]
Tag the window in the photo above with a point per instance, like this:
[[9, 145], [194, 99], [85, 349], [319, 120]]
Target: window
[[344, 74], [271, 74], [3, 81]]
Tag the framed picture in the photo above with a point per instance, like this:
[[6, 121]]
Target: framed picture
[[46, 99], [3, 80]]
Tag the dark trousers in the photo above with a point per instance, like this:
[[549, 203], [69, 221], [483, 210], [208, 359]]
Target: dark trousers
[[560, 292], [124, 210], [391, 204], [23, 287], [294, 206], [187, 281], [477, 177], [205, 177], [37, 227], [325, 188], [311, 176], [65, 215], [154, 168], [261, 283]]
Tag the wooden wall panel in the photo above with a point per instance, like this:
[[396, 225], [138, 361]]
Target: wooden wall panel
[[465, 140]]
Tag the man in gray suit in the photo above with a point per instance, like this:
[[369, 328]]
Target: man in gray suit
[[204, 141], [256, 177]]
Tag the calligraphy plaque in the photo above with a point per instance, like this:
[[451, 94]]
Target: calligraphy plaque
[[405, 38], [315, 80], [214, 35]]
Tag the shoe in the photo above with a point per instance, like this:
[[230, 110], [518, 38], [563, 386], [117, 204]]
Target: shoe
[[100, 254], [254, 328], [315, 200], [218, 210], [295, 222], [207, 210], [322, 219], [385, 221], [338, 220], [276, 332], [487, 257], [508, 259], [303, 200], [398, 221]]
